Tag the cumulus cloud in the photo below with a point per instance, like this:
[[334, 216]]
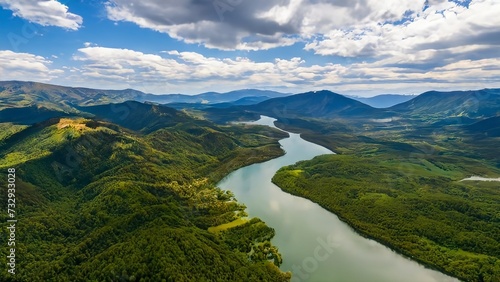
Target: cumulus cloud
[[191, 72], [256, 24], [442, 32], [19, 66], [425, 33], [216, 24], [228, 23], [44, 12]]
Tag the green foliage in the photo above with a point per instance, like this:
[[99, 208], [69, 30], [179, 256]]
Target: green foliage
[[100, 203], [8, 129], [443, 223], [397, 181]]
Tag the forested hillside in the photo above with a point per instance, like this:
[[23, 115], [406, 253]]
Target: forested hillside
[[398, 181], [99, 202], [410, 206]]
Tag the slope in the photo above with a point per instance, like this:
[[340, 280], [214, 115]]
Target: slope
[[434, 104], [319, 104], [104, 203], [213, 97], [137, 116], [23, 94]]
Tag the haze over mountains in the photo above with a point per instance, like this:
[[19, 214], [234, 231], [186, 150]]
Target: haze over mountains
[[116, 135], [29, 102], [383, 100], [18, 93]]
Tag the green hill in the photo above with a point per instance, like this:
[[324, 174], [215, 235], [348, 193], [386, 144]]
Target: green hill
[[137, 116], [318, 104], [102, 203], [23, 94], [415, 206], [433, 104]]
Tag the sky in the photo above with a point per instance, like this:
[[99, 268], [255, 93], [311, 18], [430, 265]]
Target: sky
[[357, 47]]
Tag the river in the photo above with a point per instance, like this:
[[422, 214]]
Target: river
[[314, 243]]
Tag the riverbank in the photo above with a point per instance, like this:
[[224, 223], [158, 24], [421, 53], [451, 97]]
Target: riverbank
[[420, 217], [303, 226]]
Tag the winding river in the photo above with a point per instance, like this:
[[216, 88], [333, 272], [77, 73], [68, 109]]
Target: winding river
[[315, 244]]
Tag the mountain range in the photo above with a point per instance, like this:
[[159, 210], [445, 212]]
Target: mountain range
[[29, 102], [446, 107], [132, 185], [472, 104], [107, 172], [19, 93]]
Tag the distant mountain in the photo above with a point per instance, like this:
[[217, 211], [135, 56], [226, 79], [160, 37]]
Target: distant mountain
[[24, 94], [319, 104], [19, 94], [471, 104], [200, 106], [384, 100], [252, 100], [214, 97]]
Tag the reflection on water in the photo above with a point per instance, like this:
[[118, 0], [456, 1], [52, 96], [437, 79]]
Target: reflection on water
[[315, 244]]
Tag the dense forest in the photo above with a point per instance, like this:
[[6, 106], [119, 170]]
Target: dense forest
[[99, 202], [402, 187]]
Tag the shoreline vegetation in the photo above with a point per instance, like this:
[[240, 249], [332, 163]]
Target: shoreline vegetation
[[413, 203], [136, 206], [127, 191]]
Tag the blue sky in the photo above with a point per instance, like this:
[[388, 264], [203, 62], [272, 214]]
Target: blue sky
[[361, 47]]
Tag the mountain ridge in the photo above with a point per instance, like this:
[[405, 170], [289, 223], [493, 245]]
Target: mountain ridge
[[324, 104], [471, 103], [27, 93], [107, 192]]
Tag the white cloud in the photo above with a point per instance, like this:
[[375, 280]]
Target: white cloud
[[423, 33], [257, 24], [20, 66], [44, 12], [190, 72], [408, 44], [175, 71], [444, 26]]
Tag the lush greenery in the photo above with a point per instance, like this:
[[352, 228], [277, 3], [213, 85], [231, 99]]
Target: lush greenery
[[8, 129], [399, 183], [97, 202]]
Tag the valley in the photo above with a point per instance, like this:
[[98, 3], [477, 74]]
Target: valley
[[315, 244], [91, 191], [102, 179]]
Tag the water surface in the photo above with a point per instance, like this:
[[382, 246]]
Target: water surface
[[315, 244]]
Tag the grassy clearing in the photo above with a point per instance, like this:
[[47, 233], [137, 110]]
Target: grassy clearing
[[226, 226]]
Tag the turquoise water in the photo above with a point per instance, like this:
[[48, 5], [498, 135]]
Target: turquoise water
[[315, 244]]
